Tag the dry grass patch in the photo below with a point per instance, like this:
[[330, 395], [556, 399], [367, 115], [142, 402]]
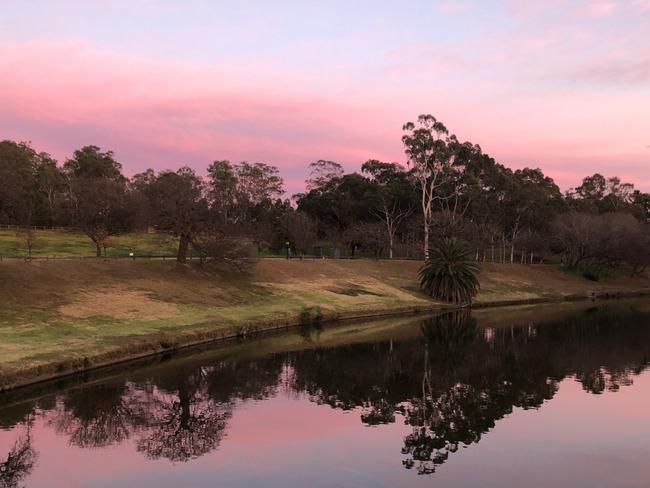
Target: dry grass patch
[[118, 304]]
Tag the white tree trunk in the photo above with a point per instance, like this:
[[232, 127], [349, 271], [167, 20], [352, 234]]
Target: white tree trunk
[[426, 239]]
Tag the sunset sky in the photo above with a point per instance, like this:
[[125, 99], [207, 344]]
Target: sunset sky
[[562, 85]]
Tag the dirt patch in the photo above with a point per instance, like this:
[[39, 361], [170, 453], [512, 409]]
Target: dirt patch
[[119, 304]]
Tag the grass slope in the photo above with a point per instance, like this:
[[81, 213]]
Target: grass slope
[[61, 243], [62, 315]]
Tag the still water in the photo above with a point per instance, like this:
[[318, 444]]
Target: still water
[[534, 396]]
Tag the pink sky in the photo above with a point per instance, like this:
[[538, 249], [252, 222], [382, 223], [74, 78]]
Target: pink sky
[[564, 86]]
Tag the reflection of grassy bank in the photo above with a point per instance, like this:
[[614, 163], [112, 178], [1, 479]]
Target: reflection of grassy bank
[[63, 316]]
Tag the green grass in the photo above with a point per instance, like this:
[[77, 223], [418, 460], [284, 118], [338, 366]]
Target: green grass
[[593, 273], [60, 243], [66, 310]]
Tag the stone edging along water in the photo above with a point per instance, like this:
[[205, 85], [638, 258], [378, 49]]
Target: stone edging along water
[[156, 346]]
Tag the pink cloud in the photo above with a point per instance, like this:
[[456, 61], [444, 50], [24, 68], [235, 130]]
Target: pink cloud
[[166, 114], [181, 114], [601, 8]]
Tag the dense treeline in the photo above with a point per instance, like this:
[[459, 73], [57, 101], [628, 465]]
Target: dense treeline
[[448, 188]]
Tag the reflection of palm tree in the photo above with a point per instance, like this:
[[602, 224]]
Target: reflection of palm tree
[[438, 418]]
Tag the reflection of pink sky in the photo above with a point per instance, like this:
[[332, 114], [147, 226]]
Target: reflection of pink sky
[[593, 440]]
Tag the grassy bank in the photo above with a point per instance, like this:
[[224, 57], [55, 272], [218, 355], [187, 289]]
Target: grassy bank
[[58, 317], [62, 243]]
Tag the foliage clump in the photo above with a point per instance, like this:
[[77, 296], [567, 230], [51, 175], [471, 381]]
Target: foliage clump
[[310, 316], [451, 273]]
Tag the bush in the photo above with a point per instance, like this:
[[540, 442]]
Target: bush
[[451, 273], [310, 316]]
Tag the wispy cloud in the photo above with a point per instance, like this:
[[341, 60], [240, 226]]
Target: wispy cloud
[[617, 72], [171, 114]]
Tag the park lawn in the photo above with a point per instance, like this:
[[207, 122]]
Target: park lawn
[[71, 311], [59, 316], [62, 243]]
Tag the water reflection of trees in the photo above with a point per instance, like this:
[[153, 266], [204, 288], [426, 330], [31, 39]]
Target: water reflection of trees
[[177, 416], [20, 459], [450, 384], [454, 383], [94, 417], [183, 421]]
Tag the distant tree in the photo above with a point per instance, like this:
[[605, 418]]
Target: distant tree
[[179, 205], [448, 224], [432, 153], [265, 226], [258, 205], [213, 243], [17, 183], [96, 194], [641, 205], [367, 236], [222, 188], [623, 241], [26, 240], [92, 162], [600, 194], [50, 183], [592, 187], [636, 250], [301, 231], [143, 181], [531, 202], [101, 209], [396, 199], [138, 200], [533, 244], [340, 204], [576, 235], [323, 173], [258, 183]]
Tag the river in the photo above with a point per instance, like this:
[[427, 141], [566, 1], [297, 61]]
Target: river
[[536, 396]]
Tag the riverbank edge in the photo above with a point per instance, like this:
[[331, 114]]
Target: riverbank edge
[[154, 346]]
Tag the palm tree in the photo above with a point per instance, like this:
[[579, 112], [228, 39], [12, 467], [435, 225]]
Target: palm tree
[[450, 274]]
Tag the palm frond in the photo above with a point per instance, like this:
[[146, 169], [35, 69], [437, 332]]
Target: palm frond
[[450, 274]]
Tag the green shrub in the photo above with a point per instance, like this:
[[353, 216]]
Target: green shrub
[[451, 273], [310, 316]]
